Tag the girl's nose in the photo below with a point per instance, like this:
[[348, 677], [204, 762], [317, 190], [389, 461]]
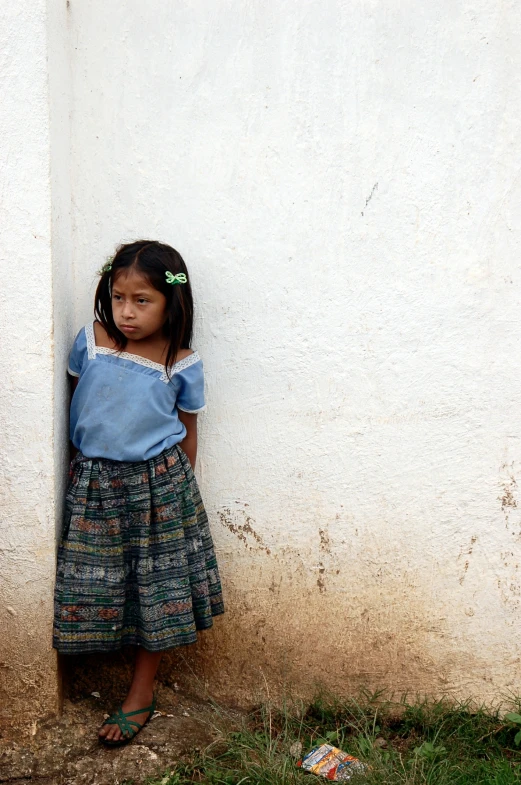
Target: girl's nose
[[127, 310]]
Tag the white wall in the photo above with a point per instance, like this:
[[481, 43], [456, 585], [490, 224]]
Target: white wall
[[343, 181], [34, 235], [59, 89]]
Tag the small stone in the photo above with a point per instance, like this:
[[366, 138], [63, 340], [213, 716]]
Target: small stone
[[95, 695], [296, 749], [185, 714], [379, 742]]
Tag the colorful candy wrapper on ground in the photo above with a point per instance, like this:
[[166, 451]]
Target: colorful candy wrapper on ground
[[333, 764]]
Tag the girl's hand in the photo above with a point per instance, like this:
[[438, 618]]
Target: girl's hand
[[189, 443]]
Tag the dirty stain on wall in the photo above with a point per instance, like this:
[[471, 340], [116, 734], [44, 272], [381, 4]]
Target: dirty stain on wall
[[342, 179]]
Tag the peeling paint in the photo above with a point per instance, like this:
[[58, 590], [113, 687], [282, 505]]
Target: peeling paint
[[244, 531]]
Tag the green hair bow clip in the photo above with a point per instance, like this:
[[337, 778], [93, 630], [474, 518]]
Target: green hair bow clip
[[107, 267], [173, 279]]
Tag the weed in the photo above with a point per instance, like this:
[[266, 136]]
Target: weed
[[405, 743]]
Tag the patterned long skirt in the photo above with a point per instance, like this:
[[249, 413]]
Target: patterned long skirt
[[136, 563]]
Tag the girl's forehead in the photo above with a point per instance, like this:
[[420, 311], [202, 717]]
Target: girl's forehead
[[131, 280]]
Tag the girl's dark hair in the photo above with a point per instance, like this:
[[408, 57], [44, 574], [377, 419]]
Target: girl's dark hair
[[153, 260]]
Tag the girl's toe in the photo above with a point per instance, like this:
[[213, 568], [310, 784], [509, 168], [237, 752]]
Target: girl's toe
[[109, 733]]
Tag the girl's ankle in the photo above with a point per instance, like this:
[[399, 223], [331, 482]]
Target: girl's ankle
[[140, 695]]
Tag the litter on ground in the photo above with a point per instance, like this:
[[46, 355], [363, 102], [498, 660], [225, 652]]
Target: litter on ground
[[333, 764]]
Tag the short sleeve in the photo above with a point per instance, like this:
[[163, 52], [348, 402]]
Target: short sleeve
[[190, 397], [78, 354]]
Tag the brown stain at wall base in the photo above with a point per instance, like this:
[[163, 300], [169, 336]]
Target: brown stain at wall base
[[281, 633], [308, 639], [30, 681]]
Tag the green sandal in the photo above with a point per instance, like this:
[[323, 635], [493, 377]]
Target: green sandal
[[119, 718]]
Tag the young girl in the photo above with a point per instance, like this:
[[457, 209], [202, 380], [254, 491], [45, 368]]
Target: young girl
[[136, 563]]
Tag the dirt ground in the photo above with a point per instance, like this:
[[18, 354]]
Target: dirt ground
[[65, 750]]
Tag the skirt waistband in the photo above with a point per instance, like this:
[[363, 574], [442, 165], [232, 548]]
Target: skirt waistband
[[175, 452]]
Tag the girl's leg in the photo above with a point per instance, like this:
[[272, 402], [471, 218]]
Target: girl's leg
[[140, 693]]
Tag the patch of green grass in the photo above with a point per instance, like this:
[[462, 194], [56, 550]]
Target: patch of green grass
[[404, 743]]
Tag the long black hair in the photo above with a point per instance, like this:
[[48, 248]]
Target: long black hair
[[153, 260]]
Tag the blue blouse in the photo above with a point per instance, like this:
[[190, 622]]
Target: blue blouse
[[125, 406]]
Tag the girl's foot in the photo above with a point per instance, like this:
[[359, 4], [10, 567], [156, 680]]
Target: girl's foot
[[133, 702], [140, 696]]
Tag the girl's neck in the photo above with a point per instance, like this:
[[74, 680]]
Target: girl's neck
[[153, 348]]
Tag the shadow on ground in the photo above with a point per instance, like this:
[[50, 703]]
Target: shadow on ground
[[65, 750]]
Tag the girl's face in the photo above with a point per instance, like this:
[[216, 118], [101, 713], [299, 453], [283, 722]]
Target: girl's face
[[138, 309]]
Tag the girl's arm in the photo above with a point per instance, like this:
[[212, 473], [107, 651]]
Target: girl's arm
[[72, 448], [189, 443]]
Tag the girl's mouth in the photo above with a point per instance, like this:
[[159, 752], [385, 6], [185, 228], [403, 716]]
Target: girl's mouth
[[127, 328]]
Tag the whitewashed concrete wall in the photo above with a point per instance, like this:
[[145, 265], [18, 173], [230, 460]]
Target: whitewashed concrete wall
[[34, 259], [59, 90], [343, 181]]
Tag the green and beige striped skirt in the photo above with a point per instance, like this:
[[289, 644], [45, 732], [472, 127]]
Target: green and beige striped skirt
[[136, 562]]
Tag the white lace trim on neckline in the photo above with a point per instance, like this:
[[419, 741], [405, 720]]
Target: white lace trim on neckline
[[91, 343], [93, 350]]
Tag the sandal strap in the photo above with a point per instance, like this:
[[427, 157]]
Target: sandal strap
[[125, 725], [150, 709], [120, 718]]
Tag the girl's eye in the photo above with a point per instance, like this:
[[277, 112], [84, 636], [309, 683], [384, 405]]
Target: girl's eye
[[142, 300], [116, 297]]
